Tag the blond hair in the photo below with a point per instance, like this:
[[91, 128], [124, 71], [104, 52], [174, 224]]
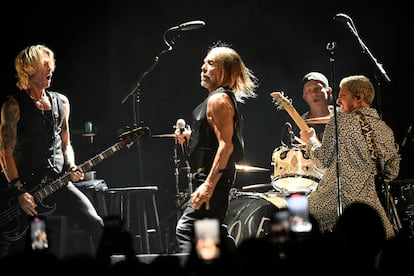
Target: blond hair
[[28, 61], [233, 73], [358, 84]]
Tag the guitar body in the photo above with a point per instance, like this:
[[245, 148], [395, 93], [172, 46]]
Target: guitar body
[[14, 222]]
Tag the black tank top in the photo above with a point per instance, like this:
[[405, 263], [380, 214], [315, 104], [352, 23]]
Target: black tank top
[[203, 142], [38, 142]]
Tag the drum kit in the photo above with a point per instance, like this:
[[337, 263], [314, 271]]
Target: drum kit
[[250, 212]]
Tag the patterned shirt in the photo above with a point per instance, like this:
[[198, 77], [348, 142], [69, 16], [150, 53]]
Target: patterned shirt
[[356, 171]]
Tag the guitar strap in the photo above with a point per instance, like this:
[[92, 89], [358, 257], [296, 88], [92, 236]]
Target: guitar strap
[[55, 116], [382, 189], [369, 136]]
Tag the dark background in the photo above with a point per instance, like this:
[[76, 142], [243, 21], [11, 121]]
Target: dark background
[[104, 47]]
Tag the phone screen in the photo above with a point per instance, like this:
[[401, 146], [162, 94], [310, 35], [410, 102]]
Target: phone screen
[[299, 213], [207, 233], [38, 234]]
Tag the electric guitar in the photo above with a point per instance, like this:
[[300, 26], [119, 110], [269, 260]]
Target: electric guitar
[[281, 102], [14, 222]]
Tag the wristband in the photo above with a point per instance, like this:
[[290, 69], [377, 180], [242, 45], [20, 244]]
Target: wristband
[[218, 171], [14, 181], [17, 189]]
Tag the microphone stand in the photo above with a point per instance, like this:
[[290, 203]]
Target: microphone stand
[[388, 200], [365, 50], [379, 66], [331, 47], [176, 173], [135, 92]]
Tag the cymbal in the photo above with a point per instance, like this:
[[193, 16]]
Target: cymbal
[[172, 135], [317, 120], [256, 186], [245, 168]]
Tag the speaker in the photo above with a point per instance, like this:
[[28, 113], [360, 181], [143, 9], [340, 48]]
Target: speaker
[[56, 234]]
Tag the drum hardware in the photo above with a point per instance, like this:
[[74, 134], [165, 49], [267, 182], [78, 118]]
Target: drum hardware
[[401, 193], [181, 197], [234, 193], [390, 208], [168, 135]]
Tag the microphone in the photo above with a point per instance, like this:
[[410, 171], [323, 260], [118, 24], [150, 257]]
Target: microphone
[[341, 17], [180, 126], [179, 129], [291, 133], [187, 26]]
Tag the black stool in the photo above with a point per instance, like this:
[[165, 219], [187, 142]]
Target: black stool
[[123, 201]]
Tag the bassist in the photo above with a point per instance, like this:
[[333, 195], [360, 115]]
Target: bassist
[[35, 147]]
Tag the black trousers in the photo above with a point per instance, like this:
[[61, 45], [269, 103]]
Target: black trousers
[[219, 203]]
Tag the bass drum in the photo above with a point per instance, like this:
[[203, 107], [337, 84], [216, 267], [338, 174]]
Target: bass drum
[[249, 214]]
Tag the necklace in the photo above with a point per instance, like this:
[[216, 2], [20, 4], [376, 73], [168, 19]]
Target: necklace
[[40, 103]]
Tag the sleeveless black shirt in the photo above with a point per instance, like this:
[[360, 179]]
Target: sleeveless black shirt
[[203, 142], [38, 142]]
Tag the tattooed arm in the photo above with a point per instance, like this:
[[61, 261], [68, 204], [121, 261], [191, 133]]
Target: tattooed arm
[[10, 115]]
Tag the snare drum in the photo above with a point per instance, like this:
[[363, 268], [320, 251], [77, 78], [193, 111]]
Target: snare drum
[[294, 171]]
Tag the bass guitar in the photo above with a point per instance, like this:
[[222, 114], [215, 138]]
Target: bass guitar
[[14, 222]]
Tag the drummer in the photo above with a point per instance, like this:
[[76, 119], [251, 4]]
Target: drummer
[[318, 95]]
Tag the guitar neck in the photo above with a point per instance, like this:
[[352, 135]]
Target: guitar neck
[[85, 167], [287, 105], [297, 118]]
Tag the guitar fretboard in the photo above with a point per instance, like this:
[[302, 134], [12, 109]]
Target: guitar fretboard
[[49, 189]]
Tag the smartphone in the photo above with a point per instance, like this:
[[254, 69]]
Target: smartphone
[[38, 233], [207, 239], [299, 213]]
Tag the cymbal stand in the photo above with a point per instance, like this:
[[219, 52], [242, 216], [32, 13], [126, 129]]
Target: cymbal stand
[[391, 209], [189, 177], [181, 196], [177, 173]]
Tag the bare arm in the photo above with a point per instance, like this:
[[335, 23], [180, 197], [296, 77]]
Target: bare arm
[[10, 115], [220, 113], [67, 148]]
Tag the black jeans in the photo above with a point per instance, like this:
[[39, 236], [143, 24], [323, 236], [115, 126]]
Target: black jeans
[[219, 203]]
